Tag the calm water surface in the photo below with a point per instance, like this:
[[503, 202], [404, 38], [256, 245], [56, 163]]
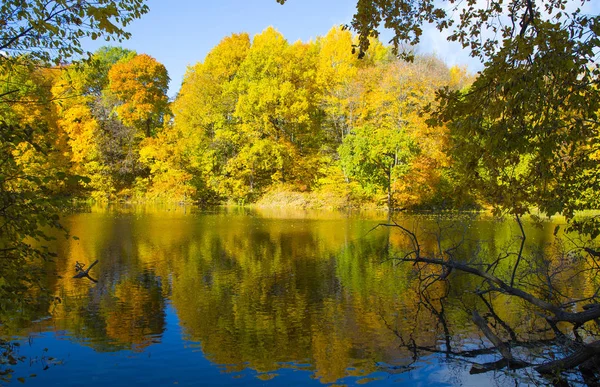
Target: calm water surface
[[244, 298]]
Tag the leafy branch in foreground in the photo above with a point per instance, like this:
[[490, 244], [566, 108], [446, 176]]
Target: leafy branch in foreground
[[33, 168], [34, 34], [51, 31], [26, 209]]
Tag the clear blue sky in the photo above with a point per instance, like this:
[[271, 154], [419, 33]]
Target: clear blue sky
[[179, 33]]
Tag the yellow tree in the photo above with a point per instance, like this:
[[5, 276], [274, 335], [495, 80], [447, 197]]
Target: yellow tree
[[414, 86], [76, 120], [337, 70], [277, 112], [187, 158], [40, 150]]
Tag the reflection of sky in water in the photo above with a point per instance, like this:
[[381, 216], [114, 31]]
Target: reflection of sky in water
[[175, 361]]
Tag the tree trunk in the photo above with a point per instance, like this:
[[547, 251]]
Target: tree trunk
[[389, 190]]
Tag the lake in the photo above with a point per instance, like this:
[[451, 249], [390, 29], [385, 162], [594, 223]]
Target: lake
[[257, 297]]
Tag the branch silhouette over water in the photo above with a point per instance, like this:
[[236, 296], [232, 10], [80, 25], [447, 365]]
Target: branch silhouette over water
[[535, 281], [81, 273]]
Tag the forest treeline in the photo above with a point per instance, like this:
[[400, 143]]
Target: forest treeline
[[259, 119]]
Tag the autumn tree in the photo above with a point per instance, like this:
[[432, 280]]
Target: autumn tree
[[140, 87], [102, 148], [429, 181], [390, 147], [267, 114], [336, 72], [250, 115], [203, 135], [276, 108], [94, 73]]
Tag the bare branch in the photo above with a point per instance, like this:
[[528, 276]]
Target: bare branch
[[512, 278]]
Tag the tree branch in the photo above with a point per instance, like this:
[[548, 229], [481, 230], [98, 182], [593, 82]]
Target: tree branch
[[582, 355], [559, 313]]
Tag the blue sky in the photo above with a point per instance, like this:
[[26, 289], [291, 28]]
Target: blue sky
[[179, 33]]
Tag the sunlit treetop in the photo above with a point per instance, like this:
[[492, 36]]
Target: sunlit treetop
[[140, 84], [51, 30]]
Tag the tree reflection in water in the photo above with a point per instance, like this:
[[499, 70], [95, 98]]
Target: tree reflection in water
[[323, 293]]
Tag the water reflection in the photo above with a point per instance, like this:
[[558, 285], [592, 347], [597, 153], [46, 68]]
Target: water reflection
[[264, 292]]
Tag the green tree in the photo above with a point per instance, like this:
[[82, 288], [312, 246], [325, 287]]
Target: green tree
[[377, 157]]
